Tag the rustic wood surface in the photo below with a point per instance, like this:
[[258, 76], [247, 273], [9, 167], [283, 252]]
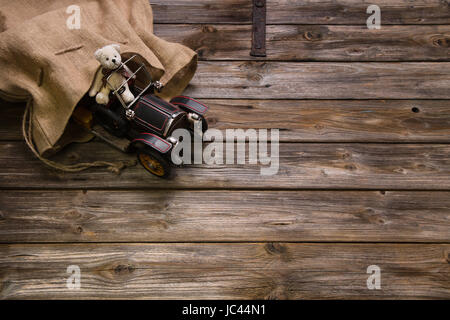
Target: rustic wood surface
[[364, 173], [346, 12], [301, 166], [158, 215], [315, 42], [225, 271], [319, 80], [310, 120]]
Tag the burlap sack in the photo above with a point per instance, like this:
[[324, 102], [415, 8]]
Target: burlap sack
[[42, 58]]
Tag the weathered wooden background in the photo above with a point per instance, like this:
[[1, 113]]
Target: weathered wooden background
[[364, 179]]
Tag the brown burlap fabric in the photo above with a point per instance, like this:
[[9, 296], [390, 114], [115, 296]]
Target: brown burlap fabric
[[41, 58]]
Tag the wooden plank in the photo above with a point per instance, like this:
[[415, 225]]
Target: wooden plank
[[310, 120], [314, 42], [337, 121], [301, 11], [248, 216], [225, 271], [316, 80], [301, 166]]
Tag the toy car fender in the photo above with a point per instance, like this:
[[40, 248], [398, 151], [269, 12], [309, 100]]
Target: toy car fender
[[190, 105], [153, 141]]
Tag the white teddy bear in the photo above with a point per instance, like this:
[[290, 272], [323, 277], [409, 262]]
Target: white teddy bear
[[111, 64]]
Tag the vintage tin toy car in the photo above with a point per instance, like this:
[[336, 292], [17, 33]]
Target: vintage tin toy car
[[145, 125]]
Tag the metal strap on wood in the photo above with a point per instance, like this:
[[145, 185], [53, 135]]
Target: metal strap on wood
[[259, 29]]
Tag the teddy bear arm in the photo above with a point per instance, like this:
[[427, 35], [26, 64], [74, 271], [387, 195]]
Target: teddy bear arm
[[129, 71], [96, 85]]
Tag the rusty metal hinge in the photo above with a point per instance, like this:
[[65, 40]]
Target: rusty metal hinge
[[259, 29]]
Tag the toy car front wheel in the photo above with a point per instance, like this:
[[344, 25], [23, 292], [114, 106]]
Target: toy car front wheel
[[154, 163]]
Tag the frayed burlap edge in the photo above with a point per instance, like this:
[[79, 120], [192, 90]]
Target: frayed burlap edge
[[115, 167]]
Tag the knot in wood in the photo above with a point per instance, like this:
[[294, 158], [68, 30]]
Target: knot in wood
[[350, 167], [209, 29], [122, 268], [442, 42], [311, 36], [275, 248]]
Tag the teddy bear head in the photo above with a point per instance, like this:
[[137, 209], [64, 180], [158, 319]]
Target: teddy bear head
[[109, 56]]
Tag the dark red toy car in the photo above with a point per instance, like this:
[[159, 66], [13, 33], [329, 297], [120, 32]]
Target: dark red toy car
[[144, 125]]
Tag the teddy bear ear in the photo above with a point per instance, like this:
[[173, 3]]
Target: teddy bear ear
[[98, 54], [117, 47]]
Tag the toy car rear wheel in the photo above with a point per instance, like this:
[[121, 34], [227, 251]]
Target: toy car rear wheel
[[154, 163]]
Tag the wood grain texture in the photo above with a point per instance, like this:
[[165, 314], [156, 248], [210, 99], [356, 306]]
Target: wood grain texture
[[309, 120], [225, 271], [310, 166], [336, 120], [314, 42], [225, 231], [316, 80], [301, 11], [235, 216]]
